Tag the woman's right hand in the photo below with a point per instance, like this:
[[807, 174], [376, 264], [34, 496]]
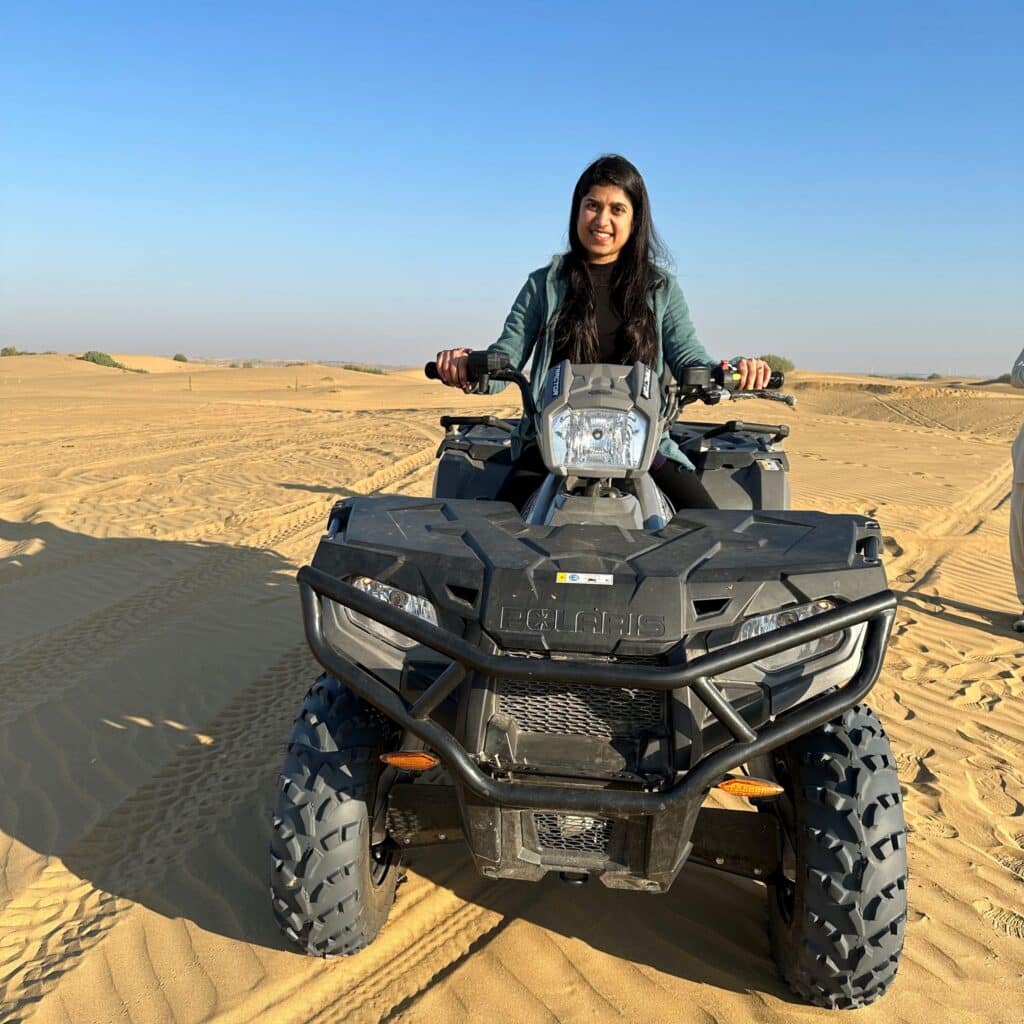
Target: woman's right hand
[[451, 368]]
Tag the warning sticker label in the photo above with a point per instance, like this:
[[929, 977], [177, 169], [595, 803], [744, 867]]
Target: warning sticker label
[[600, 578]]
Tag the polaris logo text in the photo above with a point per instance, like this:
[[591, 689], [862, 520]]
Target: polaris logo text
[[560, 620]]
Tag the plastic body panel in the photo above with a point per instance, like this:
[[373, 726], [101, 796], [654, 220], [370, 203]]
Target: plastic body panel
[[739, 469], [472, 462]]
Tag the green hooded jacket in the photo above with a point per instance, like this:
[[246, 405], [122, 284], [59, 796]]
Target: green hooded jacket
[[528, 331]]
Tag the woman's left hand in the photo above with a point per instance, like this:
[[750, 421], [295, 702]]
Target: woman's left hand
[[754, 374]]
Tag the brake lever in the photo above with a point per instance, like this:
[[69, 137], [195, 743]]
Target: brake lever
[[769, 396]]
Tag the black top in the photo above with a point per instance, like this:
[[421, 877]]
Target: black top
[[611, 346]]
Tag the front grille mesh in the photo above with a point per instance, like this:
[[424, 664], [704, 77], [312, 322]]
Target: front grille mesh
[[558, 709], [573, 832]]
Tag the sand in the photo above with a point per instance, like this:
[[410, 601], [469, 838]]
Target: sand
[[151, 660]]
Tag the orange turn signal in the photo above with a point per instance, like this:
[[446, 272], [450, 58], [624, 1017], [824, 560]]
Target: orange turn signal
[[411, 760], [743, 785]]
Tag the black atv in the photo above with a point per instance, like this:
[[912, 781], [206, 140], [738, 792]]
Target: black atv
[[561, 689]]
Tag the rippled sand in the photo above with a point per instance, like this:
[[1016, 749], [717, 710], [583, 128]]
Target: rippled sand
[[151, 659]]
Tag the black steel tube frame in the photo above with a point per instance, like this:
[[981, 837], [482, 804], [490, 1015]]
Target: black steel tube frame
[[878, 611]]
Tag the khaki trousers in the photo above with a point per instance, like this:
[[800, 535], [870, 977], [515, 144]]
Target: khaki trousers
[[1017, 516]]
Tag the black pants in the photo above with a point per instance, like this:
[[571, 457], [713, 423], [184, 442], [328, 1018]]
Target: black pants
[[680, 485]]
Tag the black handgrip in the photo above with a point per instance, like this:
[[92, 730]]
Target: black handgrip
[[485, 362], [729, 375], [478, 364]]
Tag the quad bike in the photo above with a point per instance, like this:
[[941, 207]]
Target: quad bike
[[561, 689]]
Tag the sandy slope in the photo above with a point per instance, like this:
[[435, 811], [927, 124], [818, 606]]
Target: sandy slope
[[151, 659]]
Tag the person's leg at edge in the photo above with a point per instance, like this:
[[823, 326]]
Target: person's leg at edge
[[1017, 526]]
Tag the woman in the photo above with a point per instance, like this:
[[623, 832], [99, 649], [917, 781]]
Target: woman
[[607, 300]]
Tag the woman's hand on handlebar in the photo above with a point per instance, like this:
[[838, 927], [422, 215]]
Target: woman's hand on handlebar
[[754, 374], [451, 368]]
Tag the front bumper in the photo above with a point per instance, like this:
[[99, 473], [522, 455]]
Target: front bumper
[[673, 810]]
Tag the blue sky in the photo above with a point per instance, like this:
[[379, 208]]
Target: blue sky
[[840, 183]]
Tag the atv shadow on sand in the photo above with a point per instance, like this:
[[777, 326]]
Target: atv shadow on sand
[[144, 688]]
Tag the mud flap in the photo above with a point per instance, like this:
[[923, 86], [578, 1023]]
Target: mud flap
[[739, 842]]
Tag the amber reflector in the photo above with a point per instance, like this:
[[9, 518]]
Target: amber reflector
[[742, 785], [411, 760]]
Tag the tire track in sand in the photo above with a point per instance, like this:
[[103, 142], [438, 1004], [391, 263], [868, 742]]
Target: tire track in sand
[[98, 638], [48, 928]]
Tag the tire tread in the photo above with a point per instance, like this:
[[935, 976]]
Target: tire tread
[[843, 947], [319, 893]]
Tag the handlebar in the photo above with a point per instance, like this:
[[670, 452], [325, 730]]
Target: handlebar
[[483, 365], [696, 383], [479, 364], [712, 384], [722, 376]]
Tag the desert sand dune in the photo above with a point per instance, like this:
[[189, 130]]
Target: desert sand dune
[[152, 658]]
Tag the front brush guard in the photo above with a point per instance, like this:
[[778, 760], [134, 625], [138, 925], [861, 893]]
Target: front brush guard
[[684, 798]]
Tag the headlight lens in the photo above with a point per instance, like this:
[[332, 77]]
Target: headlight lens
[[761, 624], [588, 439], [418, 606]]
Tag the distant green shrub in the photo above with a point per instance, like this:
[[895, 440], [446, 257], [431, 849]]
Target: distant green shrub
[[247, 365], [364, 369], [934, 376], [180, 357], [10, 350], [778, 363], [102, 359]]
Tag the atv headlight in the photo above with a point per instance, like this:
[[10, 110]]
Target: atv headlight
[[418, 606], [589, 439], [761, 624]]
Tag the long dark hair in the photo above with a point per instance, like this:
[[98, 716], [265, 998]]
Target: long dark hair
[[635, 274]]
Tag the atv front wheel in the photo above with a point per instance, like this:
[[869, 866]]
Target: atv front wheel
[[331, 889], [838, 903]]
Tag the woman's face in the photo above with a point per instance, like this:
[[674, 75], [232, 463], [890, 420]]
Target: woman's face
[[604, 223]]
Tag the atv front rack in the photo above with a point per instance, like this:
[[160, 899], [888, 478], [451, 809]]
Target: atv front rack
[[686, 795]]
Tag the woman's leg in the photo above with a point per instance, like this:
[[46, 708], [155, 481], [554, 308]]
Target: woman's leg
[[527, 474], [681, 486]]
